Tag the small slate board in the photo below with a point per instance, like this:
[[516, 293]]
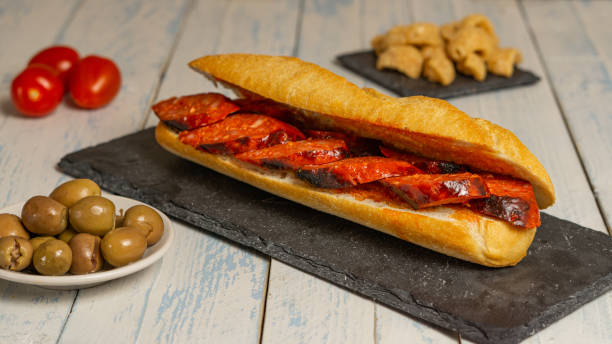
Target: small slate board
[[567, 265], [364, 64]]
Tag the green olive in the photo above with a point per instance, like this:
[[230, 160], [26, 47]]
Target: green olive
[[52, 258], [36, 242], [15, 253], [123, 245], [66, 235], [10, 225], [86, 256], [73, 191], [94, 215], [45, 216], [148, 220]]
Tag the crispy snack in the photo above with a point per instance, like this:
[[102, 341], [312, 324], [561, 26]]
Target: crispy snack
[[423, 34], [470, 43], [502, 61], [470, 40], [406, 59], [473, 65], [448, 30], [440, 69], [378, 43], [430, 51], [481, 21], [397, 35]]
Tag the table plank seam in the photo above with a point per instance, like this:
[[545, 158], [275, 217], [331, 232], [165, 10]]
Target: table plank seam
[[298, 29], [162, 73], [75, 8], [262, 319], [59, 337], [553, 90]]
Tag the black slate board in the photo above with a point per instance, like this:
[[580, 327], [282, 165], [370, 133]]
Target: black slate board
[[364, 64], [567, 265]]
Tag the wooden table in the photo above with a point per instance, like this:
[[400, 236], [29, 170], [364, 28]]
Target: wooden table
[[210, 291]]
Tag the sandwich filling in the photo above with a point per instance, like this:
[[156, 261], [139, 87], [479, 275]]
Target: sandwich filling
[[270, 135]]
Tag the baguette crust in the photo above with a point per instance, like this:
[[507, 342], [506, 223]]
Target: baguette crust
[[427, 126], [453, 231]]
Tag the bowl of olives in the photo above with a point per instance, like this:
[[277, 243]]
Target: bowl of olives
[[78, 238]]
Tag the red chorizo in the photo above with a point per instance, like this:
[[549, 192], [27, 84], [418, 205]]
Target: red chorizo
[[241, 133], [293, 155], [510, 199], [428, 190], [265, 107], [425, 164], [354, 171], [193, 111], [358, 146]]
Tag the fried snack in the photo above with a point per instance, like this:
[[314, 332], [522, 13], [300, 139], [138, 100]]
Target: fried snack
[[470, 40], [423, 34], [470, 43], [473, 65], [481, 21], [404, 58], [397, 35], [378, 43], [439, 68], [430, 51], [448, 30], [502, 61]]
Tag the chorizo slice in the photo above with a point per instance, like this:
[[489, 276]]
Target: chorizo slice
[[293, 155], [354, 171], [511, 200], [241, 133], [358, 146], [193, 111], [428, 190], [265, 107], [426, 165]]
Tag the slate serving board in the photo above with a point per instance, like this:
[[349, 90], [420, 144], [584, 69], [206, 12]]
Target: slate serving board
[[567, 265], [364, 64]]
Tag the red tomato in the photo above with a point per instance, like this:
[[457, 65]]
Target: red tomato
[[94, 82], [37, 91], [59, 57]]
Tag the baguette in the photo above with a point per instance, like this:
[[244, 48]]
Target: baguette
[[429, 127]]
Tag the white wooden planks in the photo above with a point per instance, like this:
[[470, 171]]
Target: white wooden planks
[[574, 39], [27, 314]]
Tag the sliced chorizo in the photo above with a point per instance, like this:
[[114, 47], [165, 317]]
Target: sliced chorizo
[[265, 107], [293, 155], [511, 200], [425, 164], [354, 171], [193, 111], [428, 190], [358, 146], [241, 133]]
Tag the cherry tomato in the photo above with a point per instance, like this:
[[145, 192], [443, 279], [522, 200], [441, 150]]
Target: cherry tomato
[[94, 82], [37, 91], [59, 57]]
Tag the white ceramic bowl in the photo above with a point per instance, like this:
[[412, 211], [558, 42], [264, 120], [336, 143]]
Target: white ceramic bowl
[[67, 282]]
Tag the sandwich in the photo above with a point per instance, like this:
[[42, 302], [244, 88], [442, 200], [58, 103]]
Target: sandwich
[[416, 168]]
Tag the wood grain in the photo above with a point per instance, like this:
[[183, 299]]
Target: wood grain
[[574, 40], [27, 314]]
